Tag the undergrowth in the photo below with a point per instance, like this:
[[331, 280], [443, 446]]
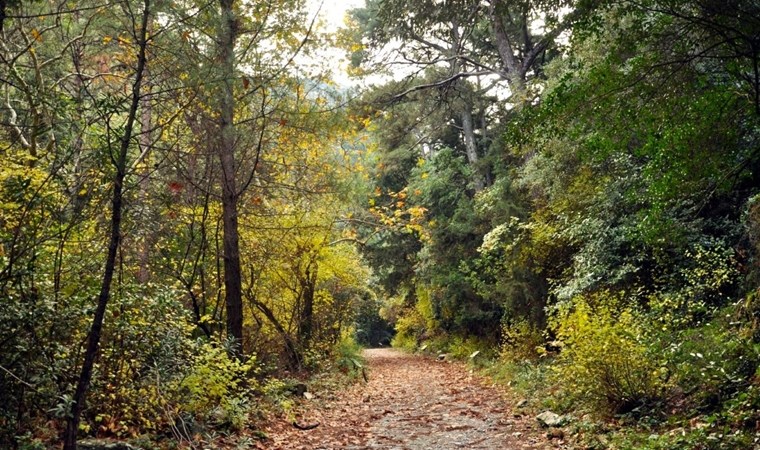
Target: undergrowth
[[626, 379], [628, 383]]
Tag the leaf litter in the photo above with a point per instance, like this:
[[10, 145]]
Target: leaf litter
[[411, 402]]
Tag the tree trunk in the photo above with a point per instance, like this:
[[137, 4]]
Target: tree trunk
[[226, 151], [468, 129], [471, 148], [511, 65], [306, 319], [93, 337]]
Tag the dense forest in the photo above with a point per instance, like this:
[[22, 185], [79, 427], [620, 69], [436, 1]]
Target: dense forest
[[195, 215]]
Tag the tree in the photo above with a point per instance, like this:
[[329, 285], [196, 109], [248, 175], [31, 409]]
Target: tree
[[120, 166], [226, 151]]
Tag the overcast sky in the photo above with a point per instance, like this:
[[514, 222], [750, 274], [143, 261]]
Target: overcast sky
[[333, 13]]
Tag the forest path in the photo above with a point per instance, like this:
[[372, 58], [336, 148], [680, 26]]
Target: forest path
[[412, 402]]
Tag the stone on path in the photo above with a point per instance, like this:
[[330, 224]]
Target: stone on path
[[550, 419]]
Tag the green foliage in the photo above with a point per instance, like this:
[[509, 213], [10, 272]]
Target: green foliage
[[416, 324], [464, 347], [520, 341], [698, 289], [528, 379], [442, 187], [410, 329], [348, 357], [217, 386], [371, 328], [711, 362], [147, 346], [607, 361]]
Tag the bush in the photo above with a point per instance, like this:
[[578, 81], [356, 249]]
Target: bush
[[711, 362], [147, 345], [606, 362], [415, 324], [348, 357], [217, 388], [460, 347], [520, 341]]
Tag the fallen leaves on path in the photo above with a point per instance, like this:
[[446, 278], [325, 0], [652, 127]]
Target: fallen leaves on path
[[412, 402]]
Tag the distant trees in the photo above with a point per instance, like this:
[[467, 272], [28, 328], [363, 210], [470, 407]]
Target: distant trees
[[614, 142], [473, 66]]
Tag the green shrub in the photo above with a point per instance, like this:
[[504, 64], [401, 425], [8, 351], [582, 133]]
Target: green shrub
[[217, 387], [462, 348], [147, 345], [348, 356], [520, 341], [606, 362], [413, 325], [528, 379], [711, 362], [403, 341]]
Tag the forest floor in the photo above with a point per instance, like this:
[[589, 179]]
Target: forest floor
[[411, 402]]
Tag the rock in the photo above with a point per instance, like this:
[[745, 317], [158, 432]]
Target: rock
[[297, 389], [555, 433], [550, 419], [308, 396], [522, 403], [96, 444]]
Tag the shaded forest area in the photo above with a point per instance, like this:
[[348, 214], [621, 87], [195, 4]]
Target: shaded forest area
[[195, 217]]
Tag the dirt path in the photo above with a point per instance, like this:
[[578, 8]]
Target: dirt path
[[412, 402]]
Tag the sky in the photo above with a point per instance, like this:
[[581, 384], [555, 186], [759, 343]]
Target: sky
[[333, 12]]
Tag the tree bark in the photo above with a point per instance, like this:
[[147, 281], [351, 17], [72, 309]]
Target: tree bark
[[226, 152], [468, 129], [471, 148], [308, 289], [511, 66], [93, 337]]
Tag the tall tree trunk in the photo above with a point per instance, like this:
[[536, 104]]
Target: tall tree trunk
[[226, 151], [512, 69], [465, 113], [93, 337]]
